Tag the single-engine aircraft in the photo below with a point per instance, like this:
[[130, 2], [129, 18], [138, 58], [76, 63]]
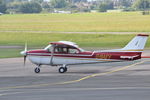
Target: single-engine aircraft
[[65, 53]]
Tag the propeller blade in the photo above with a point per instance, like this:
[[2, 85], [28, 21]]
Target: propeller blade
[[25, 49], [25, 60], [24, 53]]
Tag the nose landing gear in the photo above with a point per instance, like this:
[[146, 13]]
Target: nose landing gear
[[37, 69]]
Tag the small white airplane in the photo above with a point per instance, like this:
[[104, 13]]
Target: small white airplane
[[65, 53]]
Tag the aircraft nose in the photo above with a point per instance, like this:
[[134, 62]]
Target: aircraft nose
[[23, 53]]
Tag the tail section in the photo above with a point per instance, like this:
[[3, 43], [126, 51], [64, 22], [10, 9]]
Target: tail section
[[137, 44], [133, 50]]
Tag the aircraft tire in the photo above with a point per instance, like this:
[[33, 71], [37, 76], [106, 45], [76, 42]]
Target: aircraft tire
[[62, 70], [37, 70], [66, 69]]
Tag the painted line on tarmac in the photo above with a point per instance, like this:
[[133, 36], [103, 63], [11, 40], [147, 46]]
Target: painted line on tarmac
[[115, 88], [78, 80], [105, 73]]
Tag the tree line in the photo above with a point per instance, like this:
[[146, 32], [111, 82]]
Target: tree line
[[37, 6]]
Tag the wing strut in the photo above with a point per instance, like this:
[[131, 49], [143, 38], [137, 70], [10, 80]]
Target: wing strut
[[52, 55]]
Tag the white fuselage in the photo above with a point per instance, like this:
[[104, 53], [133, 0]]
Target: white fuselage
[[46, 60]]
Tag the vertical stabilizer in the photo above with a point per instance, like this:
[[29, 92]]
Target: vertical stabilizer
[[137, 43]]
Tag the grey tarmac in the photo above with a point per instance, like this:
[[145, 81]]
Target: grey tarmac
[[103, 81]]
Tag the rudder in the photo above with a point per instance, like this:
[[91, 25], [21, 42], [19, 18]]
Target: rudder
[[137, 43]]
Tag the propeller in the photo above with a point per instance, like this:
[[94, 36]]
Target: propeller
[[24, 53], [25, 60]]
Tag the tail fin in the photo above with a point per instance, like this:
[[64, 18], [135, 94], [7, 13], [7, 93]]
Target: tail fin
[[137, 43]]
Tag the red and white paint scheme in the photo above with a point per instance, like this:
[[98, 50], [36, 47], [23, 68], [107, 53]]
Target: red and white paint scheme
[[65, 53]]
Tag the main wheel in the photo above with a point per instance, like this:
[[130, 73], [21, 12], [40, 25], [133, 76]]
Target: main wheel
[[62, 70], [65, 69], [37, 70]]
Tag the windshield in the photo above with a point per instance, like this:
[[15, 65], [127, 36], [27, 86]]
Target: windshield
[[48, 48]]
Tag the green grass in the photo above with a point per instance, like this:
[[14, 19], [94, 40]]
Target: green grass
[[104, 22], [8, 53], [85, 40], [85, 22], [41, 40]]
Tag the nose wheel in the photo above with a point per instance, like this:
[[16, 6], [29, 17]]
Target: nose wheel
[[37, 69], [62, 69]]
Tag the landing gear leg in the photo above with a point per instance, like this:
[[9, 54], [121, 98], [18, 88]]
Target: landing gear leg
[[63, 69], [37, 69]]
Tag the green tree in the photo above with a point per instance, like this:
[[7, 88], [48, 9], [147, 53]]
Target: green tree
[[125, 3], [30, 7], [39, 1], [3, 7], [105, 5], [46, 5], [142, 4], [59, 3], [102, 7], [79, 0], [14, 7]]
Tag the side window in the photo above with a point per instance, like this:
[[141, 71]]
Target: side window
[[58, 49], [66, 50], [61, 50], [73, 50]]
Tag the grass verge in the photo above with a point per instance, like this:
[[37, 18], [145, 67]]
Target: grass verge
[[93, 22], [42, 39], [9, 53], [86, 40]]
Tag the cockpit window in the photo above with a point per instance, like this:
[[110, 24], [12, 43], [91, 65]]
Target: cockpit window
[[60, 50], [63, 49], [68, 50]]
